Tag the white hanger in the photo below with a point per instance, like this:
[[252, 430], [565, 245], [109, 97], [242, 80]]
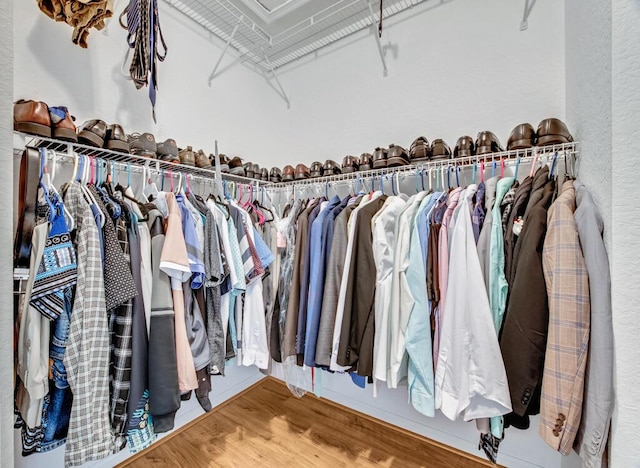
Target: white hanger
[[151, 189], [88, 193], [51, 175]]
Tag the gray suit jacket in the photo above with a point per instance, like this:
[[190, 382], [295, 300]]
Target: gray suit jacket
[[593, 432], [484, 241]]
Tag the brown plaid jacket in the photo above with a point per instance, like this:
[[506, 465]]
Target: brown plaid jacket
[[568, 340]]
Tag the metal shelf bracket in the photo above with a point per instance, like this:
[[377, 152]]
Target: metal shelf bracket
[[280, 89], [224, 51], [385, 71], [528, 6]]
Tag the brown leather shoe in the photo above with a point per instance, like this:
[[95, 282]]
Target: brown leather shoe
[[380, 158], [224, 162], [315, 169], [168, 151], [287, 173], [397, 156], [236, 167], [248, 170], [553, 132], [202, 161], [187, 156], [440, 150], [302, 172], [365, 162], [116, 139], [420, 150], [275, 175], [522, 136], [331, 168], [349, 164], [464, 147], [264, 174], [487, 142], [92, 133], [62, 124], [256, 171], [32, 117]]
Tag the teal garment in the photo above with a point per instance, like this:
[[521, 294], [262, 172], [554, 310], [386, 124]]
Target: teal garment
[[498, 286], [418, 332]]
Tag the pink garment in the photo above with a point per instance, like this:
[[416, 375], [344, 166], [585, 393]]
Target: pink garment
[[174, 261], [443, 267]]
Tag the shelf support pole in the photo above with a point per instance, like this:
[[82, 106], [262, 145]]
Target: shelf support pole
[[528, 6], [385, 72], [282, 94], [224, 51]]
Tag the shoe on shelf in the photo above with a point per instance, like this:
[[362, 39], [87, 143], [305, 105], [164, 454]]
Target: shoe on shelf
[[397, 156], [202, 161], [187, 156], [62, 126], [440, 150], [264, 174], [302, 172], [287, 173], [275, 175], [236, 167], [349, 164], [331, 168], [553, 132], [248, 170], [380, 157], [116, 139], [143, 145], [92, 133], [420, 150], [464, 147], [521, 137], [224, 162], [315, 169], [365, 162], [167, 150], [487, 142], [32, 117]]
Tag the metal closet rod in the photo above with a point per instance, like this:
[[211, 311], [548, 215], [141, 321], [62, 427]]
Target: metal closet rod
[[525, 155]]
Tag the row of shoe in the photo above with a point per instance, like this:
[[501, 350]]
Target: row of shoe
[[37, 118], [550, 132]]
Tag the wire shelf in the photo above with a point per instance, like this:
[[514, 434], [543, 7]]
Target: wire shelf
[[125, 160], [230, 20], [564, 151]]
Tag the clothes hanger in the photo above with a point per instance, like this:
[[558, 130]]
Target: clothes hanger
[[430, 185], [515, 174], [51, 175], [474, 171], [534, 162], [482, 172], [502, 168], [87, 192], [41, 185], [553, 164]]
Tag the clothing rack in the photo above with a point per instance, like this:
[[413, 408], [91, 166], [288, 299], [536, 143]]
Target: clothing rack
[[567, 152]]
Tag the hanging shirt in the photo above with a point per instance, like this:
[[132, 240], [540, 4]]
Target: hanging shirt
[[468, 385], [477, 220], [484, 241]]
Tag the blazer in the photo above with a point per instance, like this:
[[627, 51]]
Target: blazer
[[593, 431], [524, 331], [519, 206], [567, 282]]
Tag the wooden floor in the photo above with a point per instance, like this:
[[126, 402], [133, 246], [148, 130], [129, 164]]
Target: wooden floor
[[266, 426]]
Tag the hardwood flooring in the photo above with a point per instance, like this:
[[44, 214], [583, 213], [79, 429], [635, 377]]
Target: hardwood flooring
[[266, 426]]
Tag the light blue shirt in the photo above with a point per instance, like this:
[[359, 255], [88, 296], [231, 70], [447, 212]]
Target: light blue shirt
[[418, 332]]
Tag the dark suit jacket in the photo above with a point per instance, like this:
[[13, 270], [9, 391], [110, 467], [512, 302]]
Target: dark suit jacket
[[524, 333]]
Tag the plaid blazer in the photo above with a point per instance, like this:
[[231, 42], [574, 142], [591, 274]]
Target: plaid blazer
[[567, 283]]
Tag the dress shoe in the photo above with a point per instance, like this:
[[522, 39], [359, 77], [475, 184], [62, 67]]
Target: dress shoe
[[92, 133], [62, 124], [464, 147], [380, 158], [521, 137], [264, 174], [315, 169], [202, 161], [440, 150], [32, 117], [275, 175], [187, 156], [248, 170], [397, 156], [365, 162], [331, 168], [168, 151], [224, 162], [256, 171], [236, 167], [116, 139], [302, 172], [143, 145], [487, 142], [287, 173], [553, 132], [349, 164], [420, 150]]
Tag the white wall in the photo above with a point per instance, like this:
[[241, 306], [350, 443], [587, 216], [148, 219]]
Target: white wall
[[625, 237], [6, 235]]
